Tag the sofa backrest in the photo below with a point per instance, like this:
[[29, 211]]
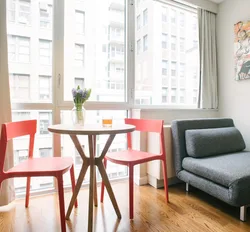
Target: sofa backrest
[[178, 132]]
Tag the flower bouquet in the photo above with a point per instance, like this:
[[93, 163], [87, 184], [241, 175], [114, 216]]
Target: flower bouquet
[[79, 97]]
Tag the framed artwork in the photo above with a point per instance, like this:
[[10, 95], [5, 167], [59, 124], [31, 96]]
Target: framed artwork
[[242, 50]]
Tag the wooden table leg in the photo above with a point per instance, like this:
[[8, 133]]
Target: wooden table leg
[[91, 183], [108, 187], [77, 188], [94, 177]]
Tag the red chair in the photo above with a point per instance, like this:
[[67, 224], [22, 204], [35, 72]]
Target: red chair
[[51, 166], [132, 157]]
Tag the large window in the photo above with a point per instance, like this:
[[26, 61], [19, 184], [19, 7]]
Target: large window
[[48, 57], [165, 74]]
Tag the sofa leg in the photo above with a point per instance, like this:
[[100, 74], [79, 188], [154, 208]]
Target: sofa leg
[[243, 213], [187, 187]]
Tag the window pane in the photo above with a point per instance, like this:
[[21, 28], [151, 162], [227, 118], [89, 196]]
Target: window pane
[[97, 55], [30, 50], [42, 148], [119, 143], [164, 70]]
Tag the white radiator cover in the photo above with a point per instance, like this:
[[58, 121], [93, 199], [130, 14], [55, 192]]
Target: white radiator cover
[[154, 168]]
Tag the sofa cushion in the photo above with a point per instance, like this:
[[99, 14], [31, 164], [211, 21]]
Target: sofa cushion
[[208, 142], [225, 169]]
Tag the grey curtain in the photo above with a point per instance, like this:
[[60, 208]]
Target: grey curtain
[[7, 191], [208, 88]]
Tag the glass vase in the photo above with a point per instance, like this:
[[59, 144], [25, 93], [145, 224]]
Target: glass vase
[[78, 114]]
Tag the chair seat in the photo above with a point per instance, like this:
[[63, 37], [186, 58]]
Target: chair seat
[[131, 157], [43, 165]]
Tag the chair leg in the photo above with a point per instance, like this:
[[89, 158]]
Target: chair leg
[[73, 182], [61, 202], [131, 192], [165, 176], [187, 187], [27, 198], [102, 186], [243, 213]]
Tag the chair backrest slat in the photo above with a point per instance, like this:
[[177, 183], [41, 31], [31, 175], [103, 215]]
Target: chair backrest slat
[[18, 129], [146, 125], [13, 130]]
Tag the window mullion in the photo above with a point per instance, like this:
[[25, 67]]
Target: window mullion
[[130, 62], [57, 69]]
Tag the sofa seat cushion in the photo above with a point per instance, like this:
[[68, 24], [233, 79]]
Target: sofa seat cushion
[[226, 170]]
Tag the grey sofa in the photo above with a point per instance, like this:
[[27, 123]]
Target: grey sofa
[[209, 155]]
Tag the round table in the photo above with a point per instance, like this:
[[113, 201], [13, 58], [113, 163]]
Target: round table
[[91, 161]]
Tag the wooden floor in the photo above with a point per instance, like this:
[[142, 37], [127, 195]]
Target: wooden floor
[[189, 212]]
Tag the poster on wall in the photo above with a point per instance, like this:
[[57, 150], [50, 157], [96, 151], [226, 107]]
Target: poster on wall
[[242, 50]]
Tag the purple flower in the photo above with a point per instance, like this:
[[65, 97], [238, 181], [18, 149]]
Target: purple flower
[[74, 92], [84, 95], [80, 92]]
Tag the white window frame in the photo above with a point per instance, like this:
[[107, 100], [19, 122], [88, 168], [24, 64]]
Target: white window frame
[[58, 103]]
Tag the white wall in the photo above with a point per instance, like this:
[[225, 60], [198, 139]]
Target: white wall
[[234, 96]]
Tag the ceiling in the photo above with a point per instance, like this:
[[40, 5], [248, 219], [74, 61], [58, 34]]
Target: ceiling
[[217, 1]]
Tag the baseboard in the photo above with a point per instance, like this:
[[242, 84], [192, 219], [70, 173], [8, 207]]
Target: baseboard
[[7, 208], [156, 183], [141, 180]]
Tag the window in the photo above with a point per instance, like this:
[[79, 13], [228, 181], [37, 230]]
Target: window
[[173, 95], [182, 19], [98, 61], [20, 116], [164, 67], [145, 17], [164, 15], [138, 22], [173, 43], [45, 52], [80, 22], [164, 95], [79, 54], [45, 120], [164, 41], [19, 49], [182, 45], [173, 69], [182, 70], [19, 11], [145, 43], [45, 152], [45, 88], [195, 96], [173, 16], [138, 47], [20, 156], [182, 96], [176, 62], [45, 15], [20, 87], [79, 82]]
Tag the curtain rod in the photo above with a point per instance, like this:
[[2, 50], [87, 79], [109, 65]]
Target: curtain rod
[[187, 6]]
